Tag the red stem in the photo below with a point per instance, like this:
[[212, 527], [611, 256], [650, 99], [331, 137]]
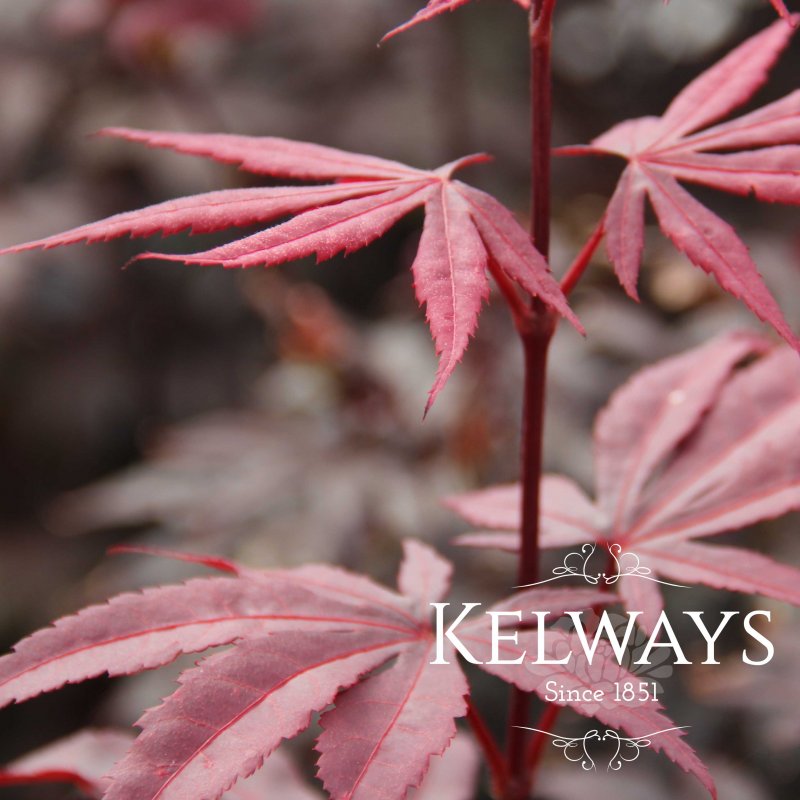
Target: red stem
[[536, 340], [546, 723], [541, 24], [516, 304], [550, 714], [536, 334], [494, 757], [583, 259]]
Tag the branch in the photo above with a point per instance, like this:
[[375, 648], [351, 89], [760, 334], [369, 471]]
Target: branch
[[584, 258], [520, 312], [494, 757], [546, 723], [536, 336]]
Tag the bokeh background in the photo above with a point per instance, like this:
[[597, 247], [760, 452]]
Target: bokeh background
[[276, 416]]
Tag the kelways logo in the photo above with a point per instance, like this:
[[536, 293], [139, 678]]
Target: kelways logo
[[621, 565], [596, 659], [663, 637], [580, 750]]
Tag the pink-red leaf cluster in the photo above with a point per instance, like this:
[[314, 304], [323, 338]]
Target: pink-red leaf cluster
[[699, 444], [304, 641], [467, 232], [436, 7], [85, 759], [758, 154]]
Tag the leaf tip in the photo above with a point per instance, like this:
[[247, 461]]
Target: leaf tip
[[392, 33], [447, 170], [573, 319], [630, 287], [113, 132], [576, 150], [792, 19], [212, 562]]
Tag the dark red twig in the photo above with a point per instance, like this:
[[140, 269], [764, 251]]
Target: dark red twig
[[494, 757], [546, 723], [520, 312], [536, 335], [584, 258], [550, 714]]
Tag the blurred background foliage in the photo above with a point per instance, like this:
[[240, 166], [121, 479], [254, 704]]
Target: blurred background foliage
[[276, 415]]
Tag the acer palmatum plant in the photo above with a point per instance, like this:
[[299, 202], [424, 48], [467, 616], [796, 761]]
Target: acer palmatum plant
[[760, 157], [467, 235], [690, 447], [698, 444], [299, 638], [85, 758]]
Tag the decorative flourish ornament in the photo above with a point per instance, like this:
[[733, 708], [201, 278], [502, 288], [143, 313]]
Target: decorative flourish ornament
[[625, 565], [577, 749]]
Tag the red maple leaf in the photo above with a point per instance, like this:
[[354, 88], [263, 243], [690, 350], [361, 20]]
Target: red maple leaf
[[436, 7], [82, 760], [780, 7], [690, 447], [85, 758], [467, 232], [299, 638], [679, 147]]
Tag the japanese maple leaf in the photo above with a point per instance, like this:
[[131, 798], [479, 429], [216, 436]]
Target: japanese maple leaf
[[780, 7], [758, 154], [436, 7], [85, 758], [687, 448], [82, 760], [466, 232], [299, 638]]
